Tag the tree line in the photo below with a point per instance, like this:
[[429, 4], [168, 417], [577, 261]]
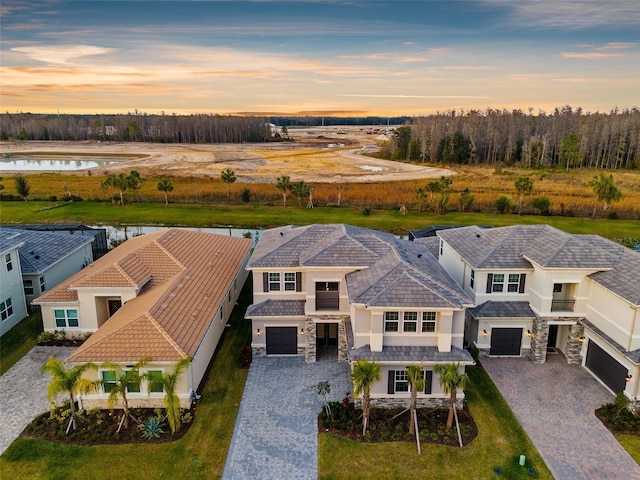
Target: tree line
[[135, 127], [566, 138]]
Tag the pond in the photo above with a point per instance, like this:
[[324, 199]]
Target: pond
[[20, 163]]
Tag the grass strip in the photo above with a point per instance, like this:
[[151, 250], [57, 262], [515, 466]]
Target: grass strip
[[19, 340]]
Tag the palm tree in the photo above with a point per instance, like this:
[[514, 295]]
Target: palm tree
[[364, 375], [524, 186], [121, 381], [451, 380], [169, 381], [68, 381], [228, 176], [165, 186], [135, 182], [415, 378], [119, 182], [605, 189], [284, 183]]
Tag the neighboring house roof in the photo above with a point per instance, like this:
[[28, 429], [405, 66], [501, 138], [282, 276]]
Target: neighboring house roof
[[41, 250], [276, 308], [9, 241], [633, 355], [491, 309], [391, 271], [183, 278]]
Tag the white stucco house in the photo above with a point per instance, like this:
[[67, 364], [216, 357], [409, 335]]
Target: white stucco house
[[13, 306], [539, 290], [166, 296], [354, 293]]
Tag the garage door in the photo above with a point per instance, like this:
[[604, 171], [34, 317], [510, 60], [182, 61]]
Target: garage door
[[505, 341], [282, 341], [606, 368]]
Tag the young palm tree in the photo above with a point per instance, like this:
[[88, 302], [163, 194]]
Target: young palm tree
[[68, 381], [169, 381], [165, 186], [451, 380], [123, 380], [284, 183], [415, 379], [524, 186], [364, 375], [605, 189], [228, 176]]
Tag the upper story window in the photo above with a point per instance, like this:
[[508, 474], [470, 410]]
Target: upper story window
[[6, 309], [66, 318], [42, 285], [8, 262], [472, 280], [282, 282], [428, 322], [391, 321], [410, 322], [511, 283], [441, 247], [28, 287]]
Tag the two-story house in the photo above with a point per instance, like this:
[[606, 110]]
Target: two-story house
[[354, 293], [538, 290], [13, 307], [164, 296]]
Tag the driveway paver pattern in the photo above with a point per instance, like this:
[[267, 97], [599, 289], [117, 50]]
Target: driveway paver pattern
[[276, 432], [23, 391], [555, 404]]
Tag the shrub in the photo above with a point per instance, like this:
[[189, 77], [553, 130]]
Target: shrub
[[613, 216], [245, 195], [367, 211], [246, 356], [151, 428], [542, 204], [53, 198], [504, 205]]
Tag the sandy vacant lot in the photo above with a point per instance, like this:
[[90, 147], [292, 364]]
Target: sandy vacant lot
[[313, 157]]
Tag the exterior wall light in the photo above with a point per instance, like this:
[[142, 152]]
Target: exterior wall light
[[581, 339], [302, 331], [528, 333], [628, 377], [258, 332], [484, 333]]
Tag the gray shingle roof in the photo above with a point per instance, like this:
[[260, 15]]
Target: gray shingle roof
[[276, 308], [411, 355], [42, 249], [633, 355], [623, 279], [493, 309]]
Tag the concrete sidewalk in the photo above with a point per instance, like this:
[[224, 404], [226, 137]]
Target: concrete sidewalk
[[555, 404]]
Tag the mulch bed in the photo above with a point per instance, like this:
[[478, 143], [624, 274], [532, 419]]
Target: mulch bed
[[383, 427], [99, 427], [619, 421]]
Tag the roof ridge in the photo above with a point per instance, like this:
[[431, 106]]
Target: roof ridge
[[125, 274], [435, 290], [167, 252], [164, 333], [569, 237], [499, 244]]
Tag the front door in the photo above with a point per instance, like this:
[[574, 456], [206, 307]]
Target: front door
[[326, 334], [114, 306], [553, 337]]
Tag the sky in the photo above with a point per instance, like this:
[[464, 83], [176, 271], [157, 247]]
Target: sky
[[322, 57]]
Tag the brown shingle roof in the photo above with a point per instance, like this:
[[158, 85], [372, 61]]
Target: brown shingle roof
[[190, 272]]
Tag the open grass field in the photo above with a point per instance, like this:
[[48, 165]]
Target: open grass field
[[200, 454], [500, 443]]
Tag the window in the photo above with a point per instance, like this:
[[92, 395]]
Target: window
[[513, 282], [401, 383], [229, 296], [498, 282], [155, 385], [410, 323], [274, 282], [557, 288], [134, 387], [66, 318], [42, 285], [428, 322], [290, 282], [28, 287], [6, 309], [441, 246], [391, 321], [7, 260], [108, 380], [472, 281]]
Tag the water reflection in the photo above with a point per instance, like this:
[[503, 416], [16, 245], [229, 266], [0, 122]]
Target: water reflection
[[16, 163]]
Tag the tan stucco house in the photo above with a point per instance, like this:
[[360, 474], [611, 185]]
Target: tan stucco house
[[166, 296]]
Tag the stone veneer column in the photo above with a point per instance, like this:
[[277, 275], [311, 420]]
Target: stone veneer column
[[539, 340], [343, 349], [574, 344], [310, 337]]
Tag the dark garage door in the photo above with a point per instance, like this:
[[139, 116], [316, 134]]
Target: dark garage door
[[606, 368], [505, 341], [282, 341]]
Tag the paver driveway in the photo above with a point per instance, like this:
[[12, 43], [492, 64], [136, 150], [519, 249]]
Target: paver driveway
[[23, 392], [276, 432], [555, 404]]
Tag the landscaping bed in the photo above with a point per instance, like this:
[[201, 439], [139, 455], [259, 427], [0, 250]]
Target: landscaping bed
[[386, 425], [100, 427], [619, 420]]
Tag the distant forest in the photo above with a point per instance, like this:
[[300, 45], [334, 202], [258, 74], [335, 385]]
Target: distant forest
[[567, 137]]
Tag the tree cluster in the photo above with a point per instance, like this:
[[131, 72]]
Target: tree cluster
[[568, 138]]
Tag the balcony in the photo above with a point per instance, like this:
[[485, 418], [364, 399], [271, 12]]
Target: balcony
[[562, 305]]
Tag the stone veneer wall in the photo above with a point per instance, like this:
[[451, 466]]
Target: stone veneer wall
[[146, 402], [539, 340], [574, 344], [400, 402], [343, 349], [259, 351], [310, 335]]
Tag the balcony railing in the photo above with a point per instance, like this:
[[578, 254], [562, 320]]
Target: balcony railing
[[562, 305]]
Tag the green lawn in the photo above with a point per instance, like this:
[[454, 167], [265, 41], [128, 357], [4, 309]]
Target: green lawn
[[631, 444], [500, 443], [19, 340], [243, 216], [200, 454]]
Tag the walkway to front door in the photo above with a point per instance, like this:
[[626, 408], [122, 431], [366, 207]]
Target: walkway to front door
[[555, 404], [276, 432]]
